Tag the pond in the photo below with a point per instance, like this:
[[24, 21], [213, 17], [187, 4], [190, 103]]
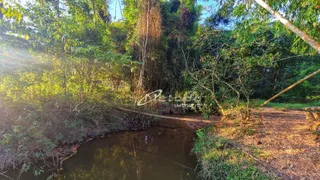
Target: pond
[[157, 153]]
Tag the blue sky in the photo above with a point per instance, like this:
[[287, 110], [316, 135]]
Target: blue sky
[[209, 8]]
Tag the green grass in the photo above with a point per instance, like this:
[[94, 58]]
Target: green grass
[[218, 159], [258, 102]]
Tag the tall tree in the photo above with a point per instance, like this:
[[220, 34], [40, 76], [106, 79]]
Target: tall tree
[[145, 19], [149, 36]]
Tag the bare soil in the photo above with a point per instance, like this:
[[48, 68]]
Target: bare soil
[[286, 143]]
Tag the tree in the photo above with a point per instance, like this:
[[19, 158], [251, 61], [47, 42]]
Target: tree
[[254, 18], [314, 44], [180, 25]]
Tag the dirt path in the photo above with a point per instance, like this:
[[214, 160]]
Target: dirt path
[[287, 144]]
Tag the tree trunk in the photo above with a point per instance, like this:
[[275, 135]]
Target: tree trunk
[[57, 7], [290, 26], [1, 6], [144, 51]]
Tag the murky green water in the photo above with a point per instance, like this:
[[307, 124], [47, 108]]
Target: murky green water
[[154, 154]]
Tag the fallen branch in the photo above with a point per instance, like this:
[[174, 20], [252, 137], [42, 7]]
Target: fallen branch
[[61, 162], [2, 174], [166, 117]]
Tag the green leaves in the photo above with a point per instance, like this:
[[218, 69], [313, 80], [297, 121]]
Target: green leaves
[[11, 12], [38, 171], [200, 133]]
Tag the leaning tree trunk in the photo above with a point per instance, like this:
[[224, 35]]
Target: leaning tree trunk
[[290, 87], [314, 44], [290, 26]]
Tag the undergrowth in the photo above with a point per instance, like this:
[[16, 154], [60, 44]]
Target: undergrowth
[[218, 159], [44, 110]]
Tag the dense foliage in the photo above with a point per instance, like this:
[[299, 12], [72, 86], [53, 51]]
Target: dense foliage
[[64, 63]]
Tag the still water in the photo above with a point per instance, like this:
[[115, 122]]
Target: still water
[[155, 154]]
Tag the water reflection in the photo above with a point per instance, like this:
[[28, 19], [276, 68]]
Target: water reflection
[[158, 153]]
